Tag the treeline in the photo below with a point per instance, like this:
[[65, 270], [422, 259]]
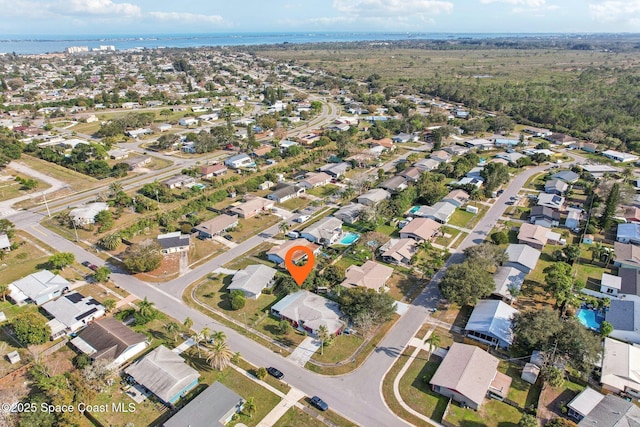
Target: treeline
[[10, 147]]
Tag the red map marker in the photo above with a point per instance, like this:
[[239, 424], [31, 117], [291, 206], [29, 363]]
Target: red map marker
[[299, 272]]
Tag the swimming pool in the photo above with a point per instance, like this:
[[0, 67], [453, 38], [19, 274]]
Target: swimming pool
[[590, 318], [348, 238], [414, 209]]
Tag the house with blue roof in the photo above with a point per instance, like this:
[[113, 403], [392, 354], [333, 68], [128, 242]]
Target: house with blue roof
[[628, 233], [490, 323]]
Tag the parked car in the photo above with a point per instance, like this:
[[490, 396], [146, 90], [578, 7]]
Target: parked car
[[275, 373], [86, 263], [302, 218], [228, 237], [319, 403], [93, 267]]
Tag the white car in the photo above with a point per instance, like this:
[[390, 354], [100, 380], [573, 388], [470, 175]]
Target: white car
[[302, 218]]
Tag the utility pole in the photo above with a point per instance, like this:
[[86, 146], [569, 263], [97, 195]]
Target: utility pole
[[75, 229], [44, 196]]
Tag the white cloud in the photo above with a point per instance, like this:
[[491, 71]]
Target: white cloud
[[616, 11], [98, 7], [526, 3], [532, 7], [394, 8], [186, 17]]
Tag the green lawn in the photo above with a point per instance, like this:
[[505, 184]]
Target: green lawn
[[296, 203], [492, 413], [342, 347], [295, 417], [28, 258], [323, 191], [521, 392], [461, 218], [252, 226], [416, 391], [449, 235]]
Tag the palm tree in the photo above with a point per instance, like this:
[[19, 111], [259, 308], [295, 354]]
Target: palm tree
[[197, 337], [188, 323], [205, 333], [145, 308], [172, 328], [219, 336], [250, 406], [596, 251], [114, 188], [111, 241], [433, 341], [323, 335], [284, 227], [109, 304], [219, 355], [4, 291]]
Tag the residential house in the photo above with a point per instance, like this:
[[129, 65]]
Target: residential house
[[479, 143], [253, 280], [349, 213], [538, 132], [174, 242], [476, 181], [216, 226], [512, 157], [624, 316], [589, 147], [573, 218], [457, 197], [630, 281], [87, 214], [426, 165], [109, 339], [507, 280], [165, 374], [522, 257], [561, 139], [118, 154], [314, 180], [569, 177], [395, 184], [137, 162], [278, 253], [508, 142], [137, 133], [336, 170], [632, 214], [552, 201], [262, 151], [420, 229], [387, 144], [188, 121], [286, 144], [555, 186], [371, 275], [626, 255], [610, 284], [440, 211], [468, 374], [619, 156], [628, 233], [285, 191], [38, 288], [535, 236], [544, 216], [239, 161], [324, 232], [441, 156], [252, 207], [405, 137], [598, 171], [399, 251], [179, 181], [210, 171], [5, 244], [456, 150], [214, 407], [591, 408], [373, 197], [621, 368], [411, 174], [307, 311], [71, 312], [490, 323]]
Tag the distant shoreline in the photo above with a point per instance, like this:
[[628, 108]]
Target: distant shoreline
[[41, 44]]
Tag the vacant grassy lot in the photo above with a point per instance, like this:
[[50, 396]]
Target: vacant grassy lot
[[252, 226], [342, 347], [10, 188], [30, 256], [77, 181], [521, 392]]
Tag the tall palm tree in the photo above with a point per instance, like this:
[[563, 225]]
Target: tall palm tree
[[284, 227], [114, 188], [188, 323], [197, 337], [172, 328], [596, 251], [250, 406], [218, 336], [145, 308], [324, 336], [205, 333], [433, 341], [219, 355]]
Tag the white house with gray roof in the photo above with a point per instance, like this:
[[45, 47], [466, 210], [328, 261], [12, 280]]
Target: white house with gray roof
[[490, 323], [71, 312], [590, 408], [38, 288], [86, 214], [324, 232], [307, 311], [373, 197], [522, 257], [507, 279], [624, 316], [215, 406], [621, 368], [440, 211], [253, 280]]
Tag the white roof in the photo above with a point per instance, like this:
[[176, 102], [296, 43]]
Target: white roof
[[611, 281], [4, 241], [493, 318], [252, 279], [89, 211], [620, 365], [314, 310], [586, 401], [72, 308], [37, 285]]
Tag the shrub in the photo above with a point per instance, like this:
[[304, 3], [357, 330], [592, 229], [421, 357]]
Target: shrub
[[237, 300], [261, 373]]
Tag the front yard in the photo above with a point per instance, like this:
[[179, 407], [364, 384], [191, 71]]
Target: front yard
[[492, 413], [416, 391]]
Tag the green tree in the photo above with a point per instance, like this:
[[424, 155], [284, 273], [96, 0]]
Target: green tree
[[109, 304], [572, 253], [188, 323], [31, 328], [324, 336], [333, 274], [380, 306], [487, 255], [433, 341], [559, 283], [4, 291], [219, 355], [102, 274], [7, 227], [465, 283], [284, 327], [261, 373], [494, 174], [142, 257], [606, 328], [250, 406], [500, 238], [172, 328], [528, 420], [146, 312], [111, 241], [61, 259], [283, 227], [553, 376], [606, 219], [105, 219], [219, 336], [237, 299]]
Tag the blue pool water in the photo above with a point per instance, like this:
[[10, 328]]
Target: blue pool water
[[414, 209], [590, 318], [349, 238]]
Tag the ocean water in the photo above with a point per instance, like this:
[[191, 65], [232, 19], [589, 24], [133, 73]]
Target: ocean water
[[50, 44]]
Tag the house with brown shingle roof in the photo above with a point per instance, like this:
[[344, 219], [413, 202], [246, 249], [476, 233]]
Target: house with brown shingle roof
[[420, 229]]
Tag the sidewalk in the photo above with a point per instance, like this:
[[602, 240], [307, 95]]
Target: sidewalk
[[281, 408], [304, 351]]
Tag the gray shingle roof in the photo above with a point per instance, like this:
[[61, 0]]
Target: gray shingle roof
[[621, 315], [208, 409]]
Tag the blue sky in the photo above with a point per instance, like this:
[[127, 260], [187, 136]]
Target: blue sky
[[76, 17]]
